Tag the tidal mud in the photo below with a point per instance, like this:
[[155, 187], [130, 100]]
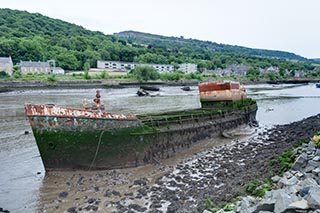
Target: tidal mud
[[219, 173]]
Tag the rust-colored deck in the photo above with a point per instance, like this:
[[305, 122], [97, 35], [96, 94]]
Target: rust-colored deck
[[51, 110]]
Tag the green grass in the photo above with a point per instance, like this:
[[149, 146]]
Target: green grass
[[258, 188], [213, 207]]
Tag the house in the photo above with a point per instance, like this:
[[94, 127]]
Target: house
[[6, 65], [35, 67], [188, 68], [116, 65], [299, 74], [231, 70], [128, 66], [57, 70], [274, 70]]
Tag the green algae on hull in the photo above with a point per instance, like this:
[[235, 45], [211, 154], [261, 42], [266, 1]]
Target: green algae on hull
[[90, 143]]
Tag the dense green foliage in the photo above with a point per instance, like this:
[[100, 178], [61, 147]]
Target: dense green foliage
[[145, 73], [26, 36]]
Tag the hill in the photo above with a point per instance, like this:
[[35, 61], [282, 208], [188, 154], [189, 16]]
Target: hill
[[179, 42], [32, 36]]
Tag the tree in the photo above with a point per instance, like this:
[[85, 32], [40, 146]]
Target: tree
[[272, 76], [86, 66], [145, 73], [253, 71], [3, 74], [175, 65], [67, 61], [86, 75]]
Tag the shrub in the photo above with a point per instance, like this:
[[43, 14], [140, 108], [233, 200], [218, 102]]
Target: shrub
[[86, 75], [316, 140], [190, 76], [104, 75], [3, 74], [213, 207], [52, 79], [258, 188], [144, 73], [17, 74], [286, 160]]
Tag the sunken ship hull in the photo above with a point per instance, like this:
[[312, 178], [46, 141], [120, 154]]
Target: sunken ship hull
[[70, 138]]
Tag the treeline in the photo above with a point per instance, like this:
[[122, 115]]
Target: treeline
[[26, 36], [176, 43]]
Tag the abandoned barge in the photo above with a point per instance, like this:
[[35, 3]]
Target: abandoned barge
[[91, 138]]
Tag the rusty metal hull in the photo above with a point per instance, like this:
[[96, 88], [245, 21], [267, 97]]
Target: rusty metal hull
[[221, 91], [97, 140]]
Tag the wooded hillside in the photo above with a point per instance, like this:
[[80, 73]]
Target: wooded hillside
[[28, 36]]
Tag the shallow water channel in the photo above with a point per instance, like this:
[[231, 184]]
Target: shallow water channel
[[24, 187]]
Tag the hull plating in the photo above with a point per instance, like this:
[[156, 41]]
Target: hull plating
[[89, 143]]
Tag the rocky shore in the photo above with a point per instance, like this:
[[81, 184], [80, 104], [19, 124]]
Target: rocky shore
[[218, 174], [298, 189]]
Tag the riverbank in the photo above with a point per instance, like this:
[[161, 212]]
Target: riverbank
[[218, 174], [6, 86]]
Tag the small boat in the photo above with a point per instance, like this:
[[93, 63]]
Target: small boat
[[150, 88], [92, 138], [269, 109], [186, 88], [318, 85], [142, 92]]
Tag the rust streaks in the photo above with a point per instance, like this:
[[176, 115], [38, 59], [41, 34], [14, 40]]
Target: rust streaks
[[222, 91], [51, 110]]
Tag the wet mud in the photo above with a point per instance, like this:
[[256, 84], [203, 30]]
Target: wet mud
[[219, 173]]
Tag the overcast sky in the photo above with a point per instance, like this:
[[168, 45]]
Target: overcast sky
[[289, 25]]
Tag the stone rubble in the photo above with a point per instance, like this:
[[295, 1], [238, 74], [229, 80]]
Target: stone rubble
[[298, 189]]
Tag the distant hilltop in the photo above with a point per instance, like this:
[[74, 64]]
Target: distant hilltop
[[177, 42]]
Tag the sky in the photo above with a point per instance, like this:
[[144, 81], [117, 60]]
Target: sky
[[287, 25]]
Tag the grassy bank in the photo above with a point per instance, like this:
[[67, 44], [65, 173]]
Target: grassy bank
[[52, 79]]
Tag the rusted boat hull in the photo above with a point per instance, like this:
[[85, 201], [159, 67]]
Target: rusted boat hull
[[221, 91], [72, 141]]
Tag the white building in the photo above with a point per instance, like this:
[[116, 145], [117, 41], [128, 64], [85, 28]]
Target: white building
[[188, 68], [128, 66], [6, 65], [57, 70], [35, 67]]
